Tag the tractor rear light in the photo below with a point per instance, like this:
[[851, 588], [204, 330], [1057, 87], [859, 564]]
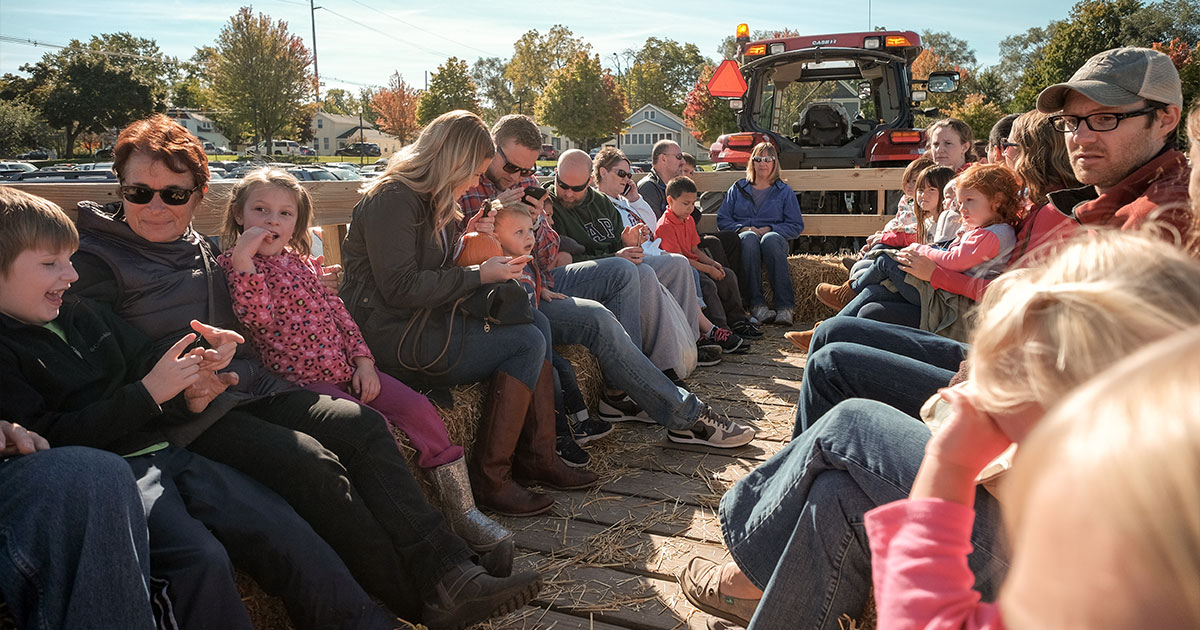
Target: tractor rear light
[[756, 50], [740, 140], [904, 137], [897, 40]]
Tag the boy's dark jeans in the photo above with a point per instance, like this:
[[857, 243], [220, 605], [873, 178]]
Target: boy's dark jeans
[[337, 464]]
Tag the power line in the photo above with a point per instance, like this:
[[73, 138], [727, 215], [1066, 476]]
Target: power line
[[109, 53], [423, 30], [385, 34]]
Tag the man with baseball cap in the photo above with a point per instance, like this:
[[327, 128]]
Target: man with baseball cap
[[1119, 113]]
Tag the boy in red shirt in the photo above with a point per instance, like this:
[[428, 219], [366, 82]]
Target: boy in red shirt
[[677, 229]]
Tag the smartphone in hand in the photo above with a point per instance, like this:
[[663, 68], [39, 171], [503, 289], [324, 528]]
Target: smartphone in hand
[[535, 192]]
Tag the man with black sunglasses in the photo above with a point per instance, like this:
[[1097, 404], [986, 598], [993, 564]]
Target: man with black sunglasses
[[666, 162], [1119, 113]]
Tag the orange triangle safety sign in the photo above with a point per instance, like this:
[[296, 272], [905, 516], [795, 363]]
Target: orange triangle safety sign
[[727, 81]]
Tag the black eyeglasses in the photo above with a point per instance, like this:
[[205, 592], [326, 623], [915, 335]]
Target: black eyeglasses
[[764, 158], [1101, 121], [169, 196], [558, 182], [1005, 144], [509, 167], [621, 174]]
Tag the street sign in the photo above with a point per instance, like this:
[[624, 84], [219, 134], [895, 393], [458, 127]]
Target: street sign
[[727, 81]]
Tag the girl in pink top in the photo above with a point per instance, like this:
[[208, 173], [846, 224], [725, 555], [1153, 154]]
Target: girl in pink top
[[1100, 509], [303, 332]]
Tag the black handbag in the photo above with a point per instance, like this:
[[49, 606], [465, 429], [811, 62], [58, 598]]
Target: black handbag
[[500, 303]]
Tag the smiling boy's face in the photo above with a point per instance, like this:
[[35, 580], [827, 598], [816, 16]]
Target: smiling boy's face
[[32, 290], [514, 230]]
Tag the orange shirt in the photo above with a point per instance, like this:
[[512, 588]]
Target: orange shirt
[[679, 236]]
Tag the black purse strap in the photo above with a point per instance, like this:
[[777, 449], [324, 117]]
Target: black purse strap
[[416, 327]]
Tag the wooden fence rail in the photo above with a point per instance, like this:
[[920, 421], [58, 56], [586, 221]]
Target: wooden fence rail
[[333, 201]]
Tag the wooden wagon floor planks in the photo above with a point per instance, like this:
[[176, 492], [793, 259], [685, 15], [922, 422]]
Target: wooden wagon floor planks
[[611, 554]]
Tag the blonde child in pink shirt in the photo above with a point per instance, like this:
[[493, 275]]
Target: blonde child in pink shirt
[[1100, 508], [302, 331]]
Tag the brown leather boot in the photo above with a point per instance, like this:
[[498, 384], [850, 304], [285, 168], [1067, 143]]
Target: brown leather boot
[[835, 297], [491, 464], [536, 458], [801, 339]]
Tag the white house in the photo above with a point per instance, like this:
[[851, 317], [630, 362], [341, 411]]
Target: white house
[[651, 123], [334, 131], [200, 125]]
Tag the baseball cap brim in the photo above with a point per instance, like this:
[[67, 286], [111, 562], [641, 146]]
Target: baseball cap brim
[[1051, 99]]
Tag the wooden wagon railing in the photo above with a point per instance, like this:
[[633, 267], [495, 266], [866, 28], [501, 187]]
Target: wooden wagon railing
[[333, 201]]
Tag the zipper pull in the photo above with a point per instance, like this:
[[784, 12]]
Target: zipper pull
[[487, 327]]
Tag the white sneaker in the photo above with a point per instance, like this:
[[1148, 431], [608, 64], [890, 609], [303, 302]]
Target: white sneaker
[[783, 317], [763, 314], [713, 430], [622, 409]]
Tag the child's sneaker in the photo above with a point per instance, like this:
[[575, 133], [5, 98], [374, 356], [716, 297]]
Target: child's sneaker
[[589, 429], [729, 341], [747, 329], [570, 453], [708, 356], [713, 430], [621, 409]]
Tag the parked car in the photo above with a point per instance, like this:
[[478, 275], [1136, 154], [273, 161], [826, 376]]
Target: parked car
[[54, 177], [24, 167], [104, 154], [36, 154], [548, 152], [279, 147], [312, 174], [213, 149], [307, 150], [344, 174], [359, 148], [96, 166]]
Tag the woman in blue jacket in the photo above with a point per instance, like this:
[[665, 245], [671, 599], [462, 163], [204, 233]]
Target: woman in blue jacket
[[764, 212]]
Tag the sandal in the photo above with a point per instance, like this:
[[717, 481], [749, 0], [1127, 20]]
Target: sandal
[[700, 584]]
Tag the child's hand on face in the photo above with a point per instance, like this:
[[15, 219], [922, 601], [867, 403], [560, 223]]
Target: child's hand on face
[[247, 246], [970, 439], [549, 296], [365, 382]]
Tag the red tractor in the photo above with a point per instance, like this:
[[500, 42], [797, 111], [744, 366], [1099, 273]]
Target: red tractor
[[831, 101]]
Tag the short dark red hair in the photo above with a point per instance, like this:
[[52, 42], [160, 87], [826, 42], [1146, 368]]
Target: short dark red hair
[[166, 140]]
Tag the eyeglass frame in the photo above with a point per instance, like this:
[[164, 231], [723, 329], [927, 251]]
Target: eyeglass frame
[[558, 182], [1118, 116], [759, 159], [122, 189], [513, 169]]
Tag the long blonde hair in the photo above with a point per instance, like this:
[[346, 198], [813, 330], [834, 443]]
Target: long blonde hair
[[1129, 443], [301, 240], [443, 157], [1042, 332], [761, 149]]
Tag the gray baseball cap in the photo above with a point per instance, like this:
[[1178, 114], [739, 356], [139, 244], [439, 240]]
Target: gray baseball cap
[[1119, 77]]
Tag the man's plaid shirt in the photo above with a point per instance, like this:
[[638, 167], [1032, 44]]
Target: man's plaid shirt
[[545, 245]]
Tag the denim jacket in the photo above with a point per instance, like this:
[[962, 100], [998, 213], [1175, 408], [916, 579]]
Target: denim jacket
[[780, 210]]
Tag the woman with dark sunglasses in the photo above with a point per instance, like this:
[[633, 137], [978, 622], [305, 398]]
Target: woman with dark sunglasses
[[334, 461], [764, 212]]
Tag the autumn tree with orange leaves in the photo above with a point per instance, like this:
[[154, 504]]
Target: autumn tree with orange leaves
[[396, 106]]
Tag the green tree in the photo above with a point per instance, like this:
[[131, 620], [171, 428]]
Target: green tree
[[662, 73], [977, 111], [450, 88], [536, 58], [495, 88], [339, 101], [583, 102], [22, 127], [192, 89], [260, 75], [365, 96], [1019, 53], [708, 115]]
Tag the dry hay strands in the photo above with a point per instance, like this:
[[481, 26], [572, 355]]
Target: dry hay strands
[[809, 270]]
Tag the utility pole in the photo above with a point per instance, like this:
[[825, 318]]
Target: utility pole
[[312, 10]]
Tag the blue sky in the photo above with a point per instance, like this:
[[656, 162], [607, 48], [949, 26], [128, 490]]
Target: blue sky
[[415, 37]]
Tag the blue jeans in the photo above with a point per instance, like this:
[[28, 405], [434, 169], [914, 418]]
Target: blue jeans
[[612, 282], [625, 367], [795, 524], [883, 268], [771, 249], [74, 550], [202, 514], [851, 357]]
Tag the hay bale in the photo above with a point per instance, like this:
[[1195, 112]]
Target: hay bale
[[809, 270], [266, 612]]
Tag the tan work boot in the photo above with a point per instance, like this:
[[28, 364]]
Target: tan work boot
[[802, 339], [834, 296]]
